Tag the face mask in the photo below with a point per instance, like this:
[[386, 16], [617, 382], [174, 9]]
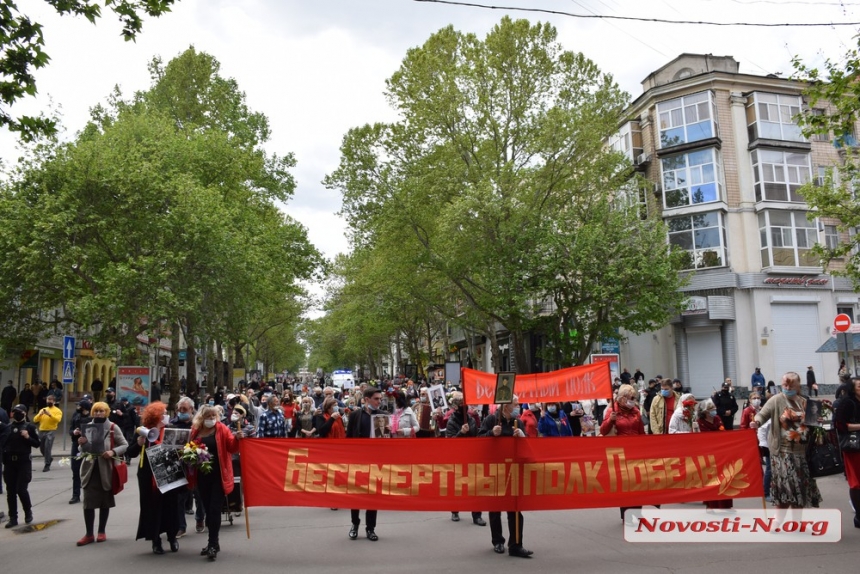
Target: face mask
[[209, 423], [425, 400], [789, 392], [712, 412], [677, 389], [18, 416], [211, 403], [755, 402], [183, 416], [631, 404], [666, 392], [551, 410], [515, 412], [236, 417], [99, 420]]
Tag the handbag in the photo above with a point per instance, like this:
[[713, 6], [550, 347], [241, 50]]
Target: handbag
[[850, 441], [119, 471], [824, 459]]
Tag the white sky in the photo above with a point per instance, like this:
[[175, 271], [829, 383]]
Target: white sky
[[317, 67]]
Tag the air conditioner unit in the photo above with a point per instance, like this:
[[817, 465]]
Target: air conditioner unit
[[642, 158]]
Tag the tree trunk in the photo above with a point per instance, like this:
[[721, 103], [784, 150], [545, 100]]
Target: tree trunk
[[519, 351], [174, 364], [190, 359], [210, 368]]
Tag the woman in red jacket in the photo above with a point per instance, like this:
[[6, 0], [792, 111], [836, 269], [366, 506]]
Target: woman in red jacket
[[625, 419], [215, 485]]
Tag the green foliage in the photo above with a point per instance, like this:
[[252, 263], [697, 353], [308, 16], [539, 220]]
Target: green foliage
[[495, 186], [836, 91], [22, 40]]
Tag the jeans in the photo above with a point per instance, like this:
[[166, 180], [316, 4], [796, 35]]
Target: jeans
[[46, 445]]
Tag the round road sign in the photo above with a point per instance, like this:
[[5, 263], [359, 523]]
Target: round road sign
[[842, 323]]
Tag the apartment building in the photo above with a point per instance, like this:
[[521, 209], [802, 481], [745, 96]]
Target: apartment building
[[726, 161]]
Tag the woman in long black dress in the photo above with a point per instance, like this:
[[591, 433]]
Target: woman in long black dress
[[157, 509]]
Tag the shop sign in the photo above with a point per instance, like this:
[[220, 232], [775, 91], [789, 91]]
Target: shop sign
[[804, 281], [696, 306]]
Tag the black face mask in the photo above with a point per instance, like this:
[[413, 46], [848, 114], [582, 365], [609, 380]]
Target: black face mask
[[18, 416], [99, 420]]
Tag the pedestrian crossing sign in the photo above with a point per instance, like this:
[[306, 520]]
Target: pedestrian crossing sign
[[68, 372]]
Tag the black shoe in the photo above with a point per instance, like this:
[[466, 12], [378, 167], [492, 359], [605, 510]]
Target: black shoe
[[353, 532], [75, 500], [371, 535], [499, 548], [519, 552], [212, 553], [156, 547], [189, 511], [47, 468], [174, 545], [13, 522], [479, 521], [455, 517], [204, 552], [28, 516]]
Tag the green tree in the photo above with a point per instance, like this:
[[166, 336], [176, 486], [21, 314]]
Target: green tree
[[21, 51], [494, 177], [835, 90]]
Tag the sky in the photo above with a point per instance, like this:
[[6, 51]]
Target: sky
[[317, 68]]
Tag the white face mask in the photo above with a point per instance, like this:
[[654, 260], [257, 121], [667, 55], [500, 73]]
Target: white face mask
[[755, 402], [236, 417], [209, 423]]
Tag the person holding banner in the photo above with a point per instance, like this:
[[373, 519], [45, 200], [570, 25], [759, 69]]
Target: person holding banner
[[505, 422], [359, 427], [462, 424], [97, 469], [553, 421], [623, 420], [158, 510]]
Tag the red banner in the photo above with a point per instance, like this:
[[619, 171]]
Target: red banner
[[498, 474], [572, 384]]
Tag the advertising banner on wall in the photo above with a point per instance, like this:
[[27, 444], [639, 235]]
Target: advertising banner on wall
[[133, 383]]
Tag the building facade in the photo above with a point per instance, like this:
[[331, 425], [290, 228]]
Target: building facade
[[726, 160]]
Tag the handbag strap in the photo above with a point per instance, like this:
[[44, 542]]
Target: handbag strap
[[111, 435]]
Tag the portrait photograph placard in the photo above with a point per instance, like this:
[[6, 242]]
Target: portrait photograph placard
[[504, 388], [167, 468], [813, 412], [380, 426], [176, 438], [436, 393]]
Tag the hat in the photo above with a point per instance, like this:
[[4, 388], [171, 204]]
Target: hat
[[20, 408], [85, 404], [111, 390], [240, 409]]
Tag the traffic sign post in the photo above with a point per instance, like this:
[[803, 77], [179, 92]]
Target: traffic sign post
[[842, 323], [68, 347], [844, 339], [68, 375]]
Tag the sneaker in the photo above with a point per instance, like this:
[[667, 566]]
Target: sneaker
[[200, 526]]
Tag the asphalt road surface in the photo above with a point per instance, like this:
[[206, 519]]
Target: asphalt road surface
[[315, 540]]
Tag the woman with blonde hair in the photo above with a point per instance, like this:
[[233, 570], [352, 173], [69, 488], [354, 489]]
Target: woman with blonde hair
[[303, 425], [624, 419], [216, 484], [158, 510], [97, 469]]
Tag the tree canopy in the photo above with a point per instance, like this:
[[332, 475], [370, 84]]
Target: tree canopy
[[496, 186]]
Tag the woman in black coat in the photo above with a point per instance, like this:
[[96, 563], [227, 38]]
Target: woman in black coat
[[158, 510]]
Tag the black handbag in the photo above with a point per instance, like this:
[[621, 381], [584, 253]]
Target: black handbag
[[850, 441], [825, 458]]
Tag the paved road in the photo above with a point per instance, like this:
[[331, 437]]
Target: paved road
[[315, 540]]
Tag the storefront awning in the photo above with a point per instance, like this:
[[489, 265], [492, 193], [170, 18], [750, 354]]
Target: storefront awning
[[830, 346]]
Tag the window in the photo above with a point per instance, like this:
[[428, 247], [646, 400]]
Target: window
[[771, 116], [779, 175], [687, 119], [702, 236], [819, 137], [831, 237], [846, 311], [787, 238], [691, 178]]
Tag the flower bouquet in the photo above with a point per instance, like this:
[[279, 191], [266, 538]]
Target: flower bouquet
[[196, 456]]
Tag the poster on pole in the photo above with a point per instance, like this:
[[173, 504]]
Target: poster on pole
[[133, 383], [610, 358]]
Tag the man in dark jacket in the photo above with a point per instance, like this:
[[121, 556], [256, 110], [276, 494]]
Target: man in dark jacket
[[18, 438], [726, 405], [810, 382], [505, 422], [7, 398], [360, 422], [461, 425]]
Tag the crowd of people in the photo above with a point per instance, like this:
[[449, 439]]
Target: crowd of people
[[219, 421]]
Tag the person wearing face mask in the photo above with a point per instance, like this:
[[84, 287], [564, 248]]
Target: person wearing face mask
[[158, 510], [424, 413], [710, 421], [81, 416], [49, 419], [553, 421], [792, 485], [749, 412], [726, 405], [359, 427], [18, 438], [218, 483], [238, 422], [662, 408], [184, 413], [318, 397], [101, 442], [624, 419], [677, 386], [505, 422], [462, 423]]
